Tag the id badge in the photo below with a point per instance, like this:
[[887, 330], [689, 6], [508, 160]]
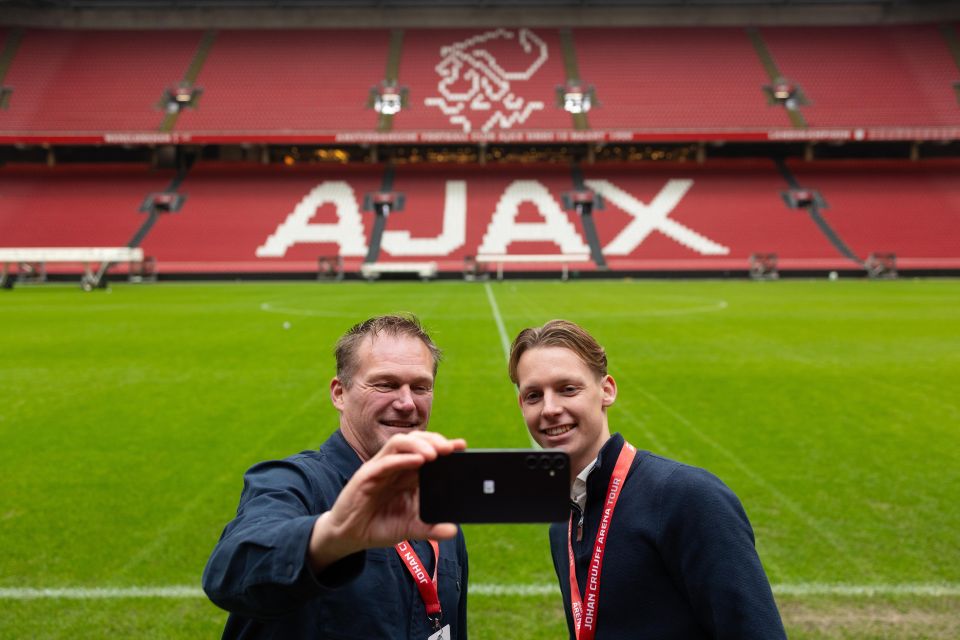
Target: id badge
[[443, 634]]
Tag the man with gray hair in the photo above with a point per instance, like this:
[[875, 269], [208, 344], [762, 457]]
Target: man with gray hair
[[329, 543]]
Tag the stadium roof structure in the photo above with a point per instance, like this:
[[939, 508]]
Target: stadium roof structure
[[468, 13], [214, 4], [886, 7]]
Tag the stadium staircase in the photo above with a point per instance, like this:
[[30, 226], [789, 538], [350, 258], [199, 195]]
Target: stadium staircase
[[188, 85], [573, 79], [383, 203], [953, 42], [584, 202], [793, 96], [159, 203], [391, 79], [11, 41], [811, 202]]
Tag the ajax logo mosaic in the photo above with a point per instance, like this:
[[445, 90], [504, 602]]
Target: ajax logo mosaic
[[477, 78]]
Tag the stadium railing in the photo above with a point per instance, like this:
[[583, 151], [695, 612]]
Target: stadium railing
[[565, 260], [87, 256]]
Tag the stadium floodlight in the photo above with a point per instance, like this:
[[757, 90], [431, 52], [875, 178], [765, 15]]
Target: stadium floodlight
[[176, 99], [183, 95], [388, 103], [384, 202], [582, 201], [163, 202], [388, 98], [800, 198], [786, 93], [803, 197], [575, 97], [784, 90]]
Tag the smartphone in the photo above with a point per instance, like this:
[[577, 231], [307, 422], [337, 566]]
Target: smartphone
[[496, 485]]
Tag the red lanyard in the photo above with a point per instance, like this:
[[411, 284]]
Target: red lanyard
[[427, 587], [585, 622]]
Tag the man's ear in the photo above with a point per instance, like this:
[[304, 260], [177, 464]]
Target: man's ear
[[609, 386], [336, 394]]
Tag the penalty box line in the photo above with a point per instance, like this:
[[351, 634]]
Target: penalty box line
[[800, 589]]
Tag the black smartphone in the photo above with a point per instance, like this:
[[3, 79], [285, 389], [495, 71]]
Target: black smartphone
[[496, 485]]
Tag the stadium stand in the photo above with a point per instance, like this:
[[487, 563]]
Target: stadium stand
[[90, 205], [271, 218], [710, 216], [232, 210], [894, 76], [671, 81], [283, 81], [911, 210], [68, 220], [93, 81], [656, 216], [262, 92], [675, 78]]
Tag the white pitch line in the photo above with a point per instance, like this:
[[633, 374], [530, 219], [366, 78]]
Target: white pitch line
[[906, 589], [514, 590], [101, 593], [938, 590], [504, 340]]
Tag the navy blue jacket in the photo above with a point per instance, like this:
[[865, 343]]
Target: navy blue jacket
[[259, 571], [680, 561]]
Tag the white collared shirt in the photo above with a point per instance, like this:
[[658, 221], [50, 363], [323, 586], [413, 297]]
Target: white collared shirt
[[578, 492]]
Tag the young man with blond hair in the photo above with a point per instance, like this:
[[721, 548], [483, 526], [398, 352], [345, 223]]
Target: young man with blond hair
[[654, 548]]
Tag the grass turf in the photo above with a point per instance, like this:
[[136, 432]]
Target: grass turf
[[128, 417]]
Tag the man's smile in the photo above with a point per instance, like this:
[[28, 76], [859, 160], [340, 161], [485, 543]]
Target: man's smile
[[399, 424], [559, 430]]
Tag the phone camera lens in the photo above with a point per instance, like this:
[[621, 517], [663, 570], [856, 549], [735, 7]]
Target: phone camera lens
[[544, 462], [531, 461], [559, 462]]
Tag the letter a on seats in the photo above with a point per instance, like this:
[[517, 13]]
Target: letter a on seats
[[556, 226], [454, 234], [347, 232]]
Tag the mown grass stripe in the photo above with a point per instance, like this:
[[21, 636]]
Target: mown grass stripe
[[504, 341], [762, 482], [935, 590]]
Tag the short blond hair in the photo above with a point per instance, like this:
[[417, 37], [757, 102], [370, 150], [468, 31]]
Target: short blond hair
[[559, 333]]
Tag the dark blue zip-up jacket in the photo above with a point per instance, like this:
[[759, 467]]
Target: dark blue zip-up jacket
[[680, 561], [259, 571]]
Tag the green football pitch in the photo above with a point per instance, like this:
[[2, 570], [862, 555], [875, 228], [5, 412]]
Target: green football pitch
[[128, 416]]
